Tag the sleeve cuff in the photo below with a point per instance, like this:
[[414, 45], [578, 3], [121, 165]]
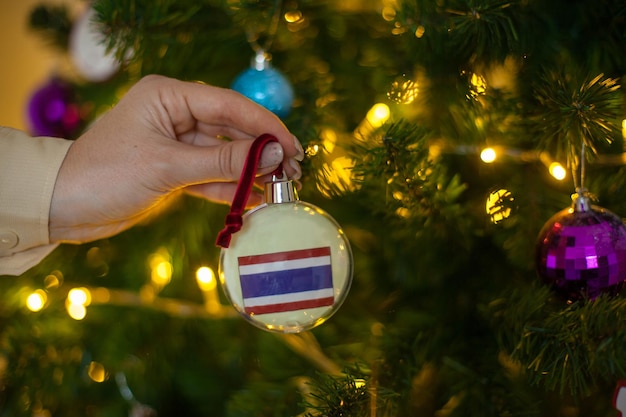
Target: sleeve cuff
[[18, 263], [28, 172]]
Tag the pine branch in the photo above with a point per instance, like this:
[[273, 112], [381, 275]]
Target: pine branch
[[400, 163], [566, 348], [160, 35], [465, 31], [485, 29], [53, 24], [353, 394], [572, 114]]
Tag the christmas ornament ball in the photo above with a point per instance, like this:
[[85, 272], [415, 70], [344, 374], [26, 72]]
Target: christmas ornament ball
[[267, 87], [88, 49], [289, 268], [53, 111], [581, 252]]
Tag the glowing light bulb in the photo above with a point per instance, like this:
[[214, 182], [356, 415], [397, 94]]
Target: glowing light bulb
[[76, 311], [162, 273], [378, 114], [557, 171], [488, 155], [206, 278], [36, 300], [77, 301], [161, 267], [79, 296], [208, 284], [624, 128]]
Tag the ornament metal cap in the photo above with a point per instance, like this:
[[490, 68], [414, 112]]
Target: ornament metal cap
[[580, 201], [280, 190], [261, 60]]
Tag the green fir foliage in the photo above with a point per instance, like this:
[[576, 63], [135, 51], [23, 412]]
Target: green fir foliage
[[446, 315]]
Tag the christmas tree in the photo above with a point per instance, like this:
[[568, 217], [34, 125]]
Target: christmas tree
[[442, 136]]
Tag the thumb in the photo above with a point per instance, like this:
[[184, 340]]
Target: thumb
[[223, 162]]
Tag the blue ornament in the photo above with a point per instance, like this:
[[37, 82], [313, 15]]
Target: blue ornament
[[266, 86]]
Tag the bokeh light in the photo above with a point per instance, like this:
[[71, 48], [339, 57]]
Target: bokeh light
[[80, 296], [557, 171], [488, 155], [378, 114], [161, 268], [206, 278], [36, 300], [76, 311]]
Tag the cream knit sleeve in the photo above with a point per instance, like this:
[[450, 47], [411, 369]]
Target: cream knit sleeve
[[28, 171]]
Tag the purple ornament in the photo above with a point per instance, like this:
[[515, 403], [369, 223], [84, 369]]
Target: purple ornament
[[52, 110], [581, 252]]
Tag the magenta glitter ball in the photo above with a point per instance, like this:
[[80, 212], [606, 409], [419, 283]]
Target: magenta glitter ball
[[52, 110], [582, 253]]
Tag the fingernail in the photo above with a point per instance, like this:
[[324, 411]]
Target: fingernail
[[300, 152], [272, 155], [296, 166]]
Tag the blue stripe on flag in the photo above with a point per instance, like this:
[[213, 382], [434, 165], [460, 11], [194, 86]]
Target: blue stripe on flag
[[284, 282]]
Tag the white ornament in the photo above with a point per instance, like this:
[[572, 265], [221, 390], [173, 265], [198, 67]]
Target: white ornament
[[289, 268], [88, 49]]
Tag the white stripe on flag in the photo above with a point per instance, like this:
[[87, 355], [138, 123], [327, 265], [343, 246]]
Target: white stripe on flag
[[288, 298], [283, 265]]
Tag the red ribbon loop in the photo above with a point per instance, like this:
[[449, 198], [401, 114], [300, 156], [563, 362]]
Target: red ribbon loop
[[234, 219]]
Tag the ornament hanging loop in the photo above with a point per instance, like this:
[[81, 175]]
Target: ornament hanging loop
[[582, 168], [234, 219], [260, 41], [580, 200]]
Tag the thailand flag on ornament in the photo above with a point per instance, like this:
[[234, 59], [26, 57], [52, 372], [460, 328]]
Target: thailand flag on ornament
[[286, 281]]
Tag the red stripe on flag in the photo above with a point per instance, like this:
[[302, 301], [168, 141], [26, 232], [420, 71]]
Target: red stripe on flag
[[284, 256], [296, 305]]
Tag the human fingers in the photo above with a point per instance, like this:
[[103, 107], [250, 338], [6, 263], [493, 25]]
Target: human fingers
[[192, 106], [188, 165], [291, 166]]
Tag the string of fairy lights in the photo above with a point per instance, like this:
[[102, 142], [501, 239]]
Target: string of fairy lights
[[78, 298]]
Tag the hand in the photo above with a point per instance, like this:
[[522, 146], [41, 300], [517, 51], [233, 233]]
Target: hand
[[164, 137]]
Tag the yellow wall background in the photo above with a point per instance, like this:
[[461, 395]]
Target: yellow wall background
[[26, 61]]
